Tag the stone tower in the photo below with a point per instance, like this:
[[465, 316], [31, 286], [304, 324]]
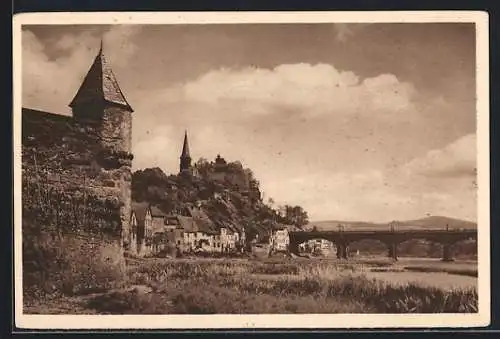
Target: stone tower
[[185, 163], [100, 101], [100, 107]]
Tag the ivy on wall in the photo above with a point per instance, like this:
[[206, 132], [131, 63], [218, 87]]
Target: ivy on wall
[[65, 210]]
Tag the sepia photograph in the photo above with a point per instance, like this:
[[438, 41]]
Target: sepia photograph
[[229, 170]]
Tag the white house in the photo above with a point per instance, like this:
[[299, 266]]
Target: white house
[[279, 239], [141, 229], [228, 239]]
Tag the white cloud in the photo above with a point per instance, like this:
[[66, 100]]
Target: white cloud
[[311, 89], [409, 191], [50, 83], [456, 159]]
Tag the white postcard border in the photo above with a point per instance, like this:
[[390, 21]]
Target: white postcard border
[[307, 321]]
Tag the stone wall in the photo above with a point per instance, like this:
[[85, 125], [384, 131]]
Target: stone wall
[[68, 165]]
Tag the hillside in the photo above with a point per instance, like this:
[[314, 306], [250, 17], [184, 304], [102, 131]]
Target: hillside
[[432, 222], [228, 194], [439, 222]]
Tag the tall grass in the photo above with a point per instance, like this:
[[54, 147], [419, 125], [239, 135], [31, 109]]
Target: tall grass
[[230, 287]]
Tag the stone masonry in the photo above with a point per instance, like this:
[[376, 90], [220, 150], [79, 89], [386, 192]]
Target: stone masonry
[[87, 154]]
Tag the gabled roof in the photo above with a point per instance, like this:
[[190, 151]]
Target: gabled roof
[[229, 226], [205, 224], [140, 209], [187, 223], [197, 213], [156, 212], [100, 85], [172, 220], [190, 224]]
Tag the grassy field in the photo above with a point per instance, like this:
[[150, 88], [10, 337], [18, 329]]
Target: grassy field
[[208, 286]]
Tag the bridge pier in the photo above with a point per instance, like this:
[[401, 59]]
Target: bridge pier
[[342, 251], [293, 247], [392, 238], [447, 253], [393, 252]]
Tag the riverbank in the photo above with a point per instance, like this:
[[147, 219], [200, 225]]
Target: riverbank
[[210, 286]]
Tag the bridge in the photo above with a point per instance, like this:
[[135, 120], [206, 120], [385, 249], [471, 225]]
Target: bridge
[[391, 238]]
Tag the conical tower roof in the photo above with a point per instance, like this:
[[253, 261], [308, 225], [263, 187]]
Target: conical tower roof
[[185, 147], [100, 85]]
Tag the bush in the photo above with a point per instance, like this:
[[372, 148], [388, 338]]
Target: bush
[[129, 302], [275, 268]]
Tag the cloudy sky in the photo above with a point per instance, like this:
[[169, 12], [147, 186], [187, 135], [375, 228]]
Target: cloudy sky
[[352, 121]]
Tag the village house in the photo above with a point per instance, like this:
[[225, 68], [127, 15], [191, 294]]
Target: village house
[[140, 221], [201, 234], [229, 240], [147, 226], [174, 231], [196, 236], [233, 237], [190, 230], [318, 246], [279, 240]]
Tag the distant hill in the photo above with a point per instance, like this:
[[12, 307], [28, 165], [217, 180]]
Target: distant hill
[[432, 222]]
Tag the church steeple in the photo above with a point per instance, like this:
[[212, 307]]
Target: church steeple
[[185, 147], [185, 163], [100, 86]]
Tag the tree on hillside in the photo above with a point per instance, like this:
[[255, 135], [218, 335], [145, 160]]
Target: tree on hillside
[[203, 166], [270, 202], [281, 211], [149, 184], [296, 215], [251, 178], [235, 166]]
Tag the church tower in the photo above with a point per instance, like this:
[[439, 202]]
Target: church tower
[[100, 102], [185, 163]]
